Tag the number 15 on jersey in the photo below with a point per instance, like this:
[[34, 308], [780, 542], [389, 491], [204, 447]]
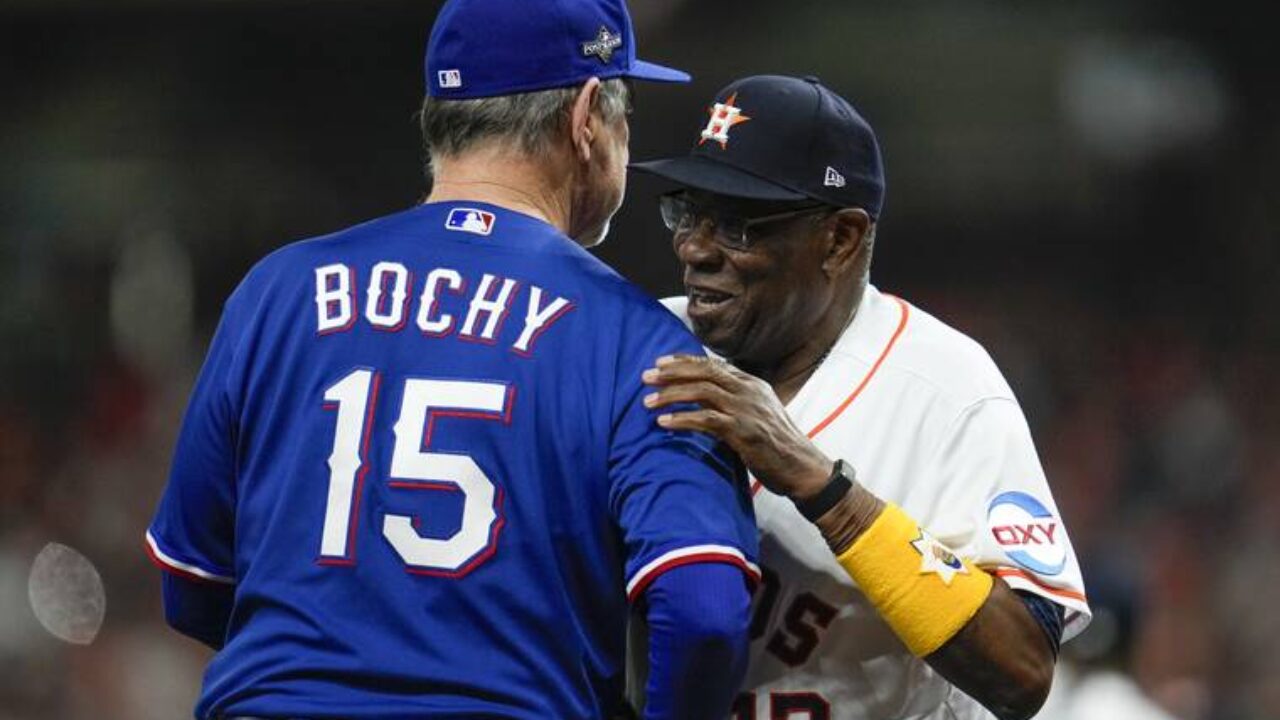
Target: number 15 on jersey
[[413, 468]]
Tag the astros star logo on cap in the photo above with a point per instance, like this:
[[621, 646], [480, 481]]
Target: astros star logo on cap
[[723, 116]]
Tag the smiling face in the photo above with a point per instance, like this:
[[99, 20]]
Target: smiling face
[[759, 305]]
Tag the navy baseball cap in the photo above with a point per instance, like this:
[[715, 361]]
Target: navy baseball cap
[[483, 48], [771, 137]]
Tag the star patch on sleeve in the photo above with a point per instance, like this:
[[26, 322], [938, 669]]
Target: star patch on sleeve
[[937, 558]]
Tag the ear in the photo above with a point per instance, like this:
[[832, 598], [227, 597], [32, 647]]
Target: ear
[[582, 121], [848, 241]]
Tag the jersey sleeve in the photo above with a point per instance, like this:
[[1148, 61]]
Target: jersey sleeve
[[1011, 527], [192, 532], [678, 497]]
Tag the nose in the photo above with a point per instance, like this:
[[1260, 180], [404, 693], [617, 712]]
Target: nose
[[698, 248]]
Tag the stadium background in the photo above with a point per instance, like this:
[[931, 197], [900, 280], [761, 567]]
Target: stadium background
[[1091, 189]]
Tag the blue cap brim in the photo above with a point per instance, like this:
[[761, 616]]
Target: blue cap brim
[[641, 70]]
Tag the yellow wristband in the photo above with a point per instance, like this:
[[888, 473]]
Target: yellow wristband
[[921, 588]]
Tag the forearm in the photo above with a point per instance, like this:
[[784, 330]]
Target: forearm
[[1000, 656], [697, 616]]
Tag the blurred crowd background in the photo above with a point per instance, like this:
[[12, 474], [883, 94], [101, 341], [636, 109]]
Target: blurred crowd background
[[1091, 189]]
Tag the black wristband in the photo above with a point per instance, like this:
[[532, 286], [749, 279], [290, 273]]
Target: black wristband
[[842, 477]]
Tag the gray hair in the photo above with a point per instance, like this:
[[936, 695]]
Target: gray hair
[[524, 121], [868, 249]]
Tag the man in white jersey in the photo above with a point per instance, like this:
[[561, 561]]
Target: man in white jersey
[[916, 566]]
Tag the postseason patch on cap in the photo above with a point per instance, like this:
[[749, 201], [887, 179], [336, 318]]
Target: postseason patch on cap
[[1029, 532], [602, 45], [470, 220]]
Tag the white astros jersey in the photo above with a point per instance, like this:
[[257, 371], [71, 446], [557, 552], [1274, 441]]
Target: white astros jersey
[[928, 422]]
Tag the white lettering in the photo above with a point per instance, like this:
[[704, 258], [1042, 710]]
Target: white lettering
[[390, 293], [394, 316], [494, 309], [334, 298], [443, 324], [536, 319]]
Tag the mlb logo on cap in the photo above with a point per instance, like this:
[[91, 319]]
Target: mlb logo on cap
[[470, 220], [450, 78]]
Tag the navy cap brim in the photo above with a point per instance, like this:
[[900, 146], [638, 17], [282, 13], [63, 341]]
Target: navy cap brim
[[701, 173], [641, 70]]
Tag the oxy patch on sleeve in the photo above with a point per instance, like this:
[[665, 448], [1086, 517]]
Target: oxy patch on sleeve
[[1030, 534]]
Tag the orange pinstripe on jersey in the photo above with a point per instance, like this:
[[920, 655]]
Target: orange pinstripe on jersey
[[897, 333], [1012, 572]]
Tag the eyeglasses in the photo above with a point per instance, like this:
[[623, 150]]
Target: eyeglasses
[[682, 217]]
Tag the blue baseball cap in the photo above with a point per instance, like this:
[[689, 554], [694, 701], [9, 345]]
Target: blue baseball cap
[[483, 48]]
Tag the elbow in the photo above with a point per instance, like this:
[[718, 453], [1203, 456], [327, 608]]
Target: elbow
[[198, 610], [699, 617], [716, 630], [1002, 658], [1023, 696], [724, 637], [206, 634]]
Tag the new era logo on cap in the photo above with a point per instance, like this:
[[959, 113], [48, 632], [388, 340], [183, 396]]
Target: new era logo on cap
[[834, 178], [470, 220]]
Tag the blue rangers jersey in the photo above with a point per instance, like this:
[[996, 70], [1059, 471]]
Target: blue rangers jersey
[[418, 451]]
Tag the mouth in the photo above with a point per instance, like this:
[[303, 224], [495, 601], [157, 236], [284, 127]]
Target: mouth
[[703, 301]]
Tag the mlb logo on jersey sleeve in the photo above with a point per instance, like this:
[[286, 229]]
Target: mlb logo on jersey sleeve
[[470, 220]]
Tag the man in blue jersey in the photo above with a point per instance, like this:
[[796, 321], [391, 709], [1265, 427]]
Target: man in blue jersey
[[416, 477]]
